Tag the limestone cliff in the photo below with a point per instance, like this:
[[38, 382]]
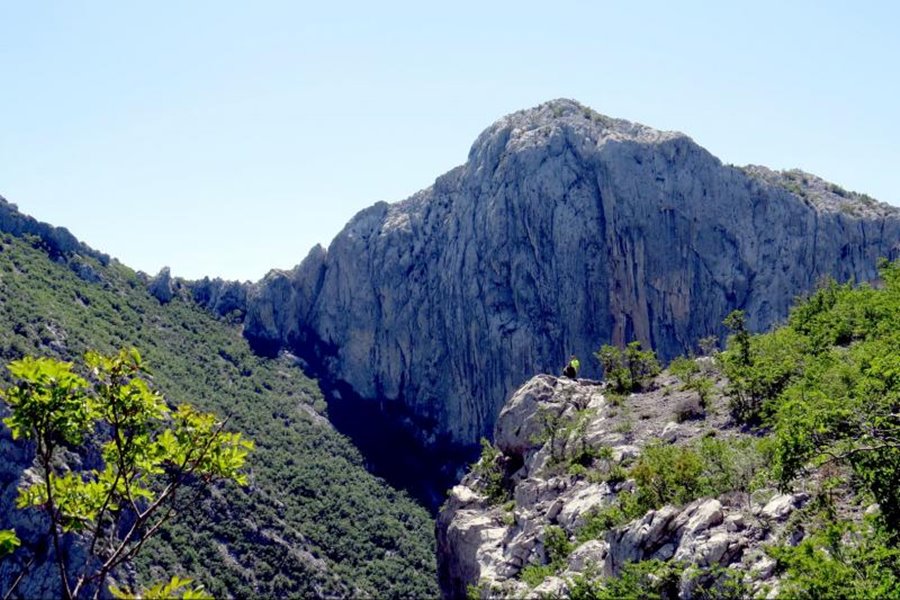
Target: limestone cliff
[[564, 230]]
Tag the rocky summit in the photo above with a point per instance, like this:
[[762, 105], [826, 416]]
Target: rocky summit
[[564, 230]]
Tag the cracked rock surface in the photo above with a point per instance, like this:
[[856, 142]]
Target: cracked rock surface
[[564, 230]]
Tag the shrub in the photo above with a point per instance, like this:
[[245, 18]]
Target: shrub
[[599, 521], [534, 575], [630, 369], [759, 369], [689, 409], [490, 473], [645, 580], [556, 549], [841, 561], [668, 474], [556, 545], [684, 368]]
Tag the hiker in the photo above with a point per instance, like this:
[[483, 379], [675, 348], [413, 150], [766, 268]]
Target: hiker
[[571, 370]]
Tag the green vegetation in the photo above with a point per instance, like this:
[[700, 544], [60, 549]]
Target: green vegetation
[[820, 397], [490, 473], [759, 368], [557, 549], [312, 521], [688, 371], [685, 369], [149, 455], [657, 580], [667, 474], [565, 432], [645, 580], [534, 575], [177, 587], [630, 369], [598, 521], [827, 387], [841, 560], [9, 541]]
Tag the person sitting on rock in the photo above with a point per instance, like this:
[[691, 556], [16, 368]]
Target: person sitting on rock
[[571, 370]]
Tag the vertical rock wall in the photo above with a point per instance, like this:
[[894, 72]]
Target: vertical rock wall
[[565, 230]]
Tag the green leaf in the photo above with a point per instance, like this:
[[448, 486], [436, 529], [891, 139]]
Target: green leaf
[[8, 541]]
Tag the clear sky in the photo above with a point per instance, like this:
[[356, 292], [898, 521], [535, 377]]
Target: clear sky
[[227, 138]]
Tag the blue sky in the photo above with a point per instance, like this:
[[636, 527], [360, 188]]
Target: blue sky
[[227, 138]]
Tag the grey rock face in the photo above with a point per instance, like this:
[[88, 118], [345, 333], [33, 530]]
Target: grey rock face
[[563, 231], [58, 241], [162, 286], [220, 297]]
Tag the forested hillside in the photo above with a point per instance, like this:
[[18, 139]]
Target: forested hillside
[[311, 522]]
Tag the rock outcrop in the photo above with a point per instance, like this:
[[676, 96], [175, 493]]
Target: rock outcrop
[[162, 287], [563, 231], [58, 242], [220, 297], [487, 544]]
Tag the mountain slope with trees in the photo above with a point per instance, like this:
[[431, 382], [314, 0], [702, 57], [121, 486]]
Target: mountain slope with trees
[[312, 520]]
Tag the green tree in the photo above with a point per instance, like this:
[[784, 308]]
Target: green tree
[[736, 321], [149, 454], [685, 369], [759, 368], [629, 369], [841, 560], [490, 472]]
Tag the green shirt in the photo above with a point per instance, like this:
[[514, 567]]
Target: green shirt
[[575, 364]]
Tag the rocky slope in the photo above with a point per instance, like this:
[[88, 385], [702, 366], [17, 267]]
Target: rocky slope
[[489, 544], [564, 230]]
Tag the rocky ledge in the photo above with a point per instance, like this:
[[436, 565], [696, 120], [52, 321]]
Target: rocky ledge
[[531, 494]]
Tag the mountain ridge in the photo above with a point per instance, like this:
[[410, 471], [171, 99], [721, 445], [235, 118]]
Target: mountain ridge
[[564, 230], [312, 522]]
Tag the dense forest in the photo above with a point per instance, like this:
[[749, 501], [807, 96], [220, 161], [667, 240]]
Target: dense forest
[[312, 520]]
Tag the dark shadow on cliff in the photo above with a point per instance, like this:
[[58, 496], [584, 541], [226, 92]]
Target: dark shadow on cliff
[[385, 433], [392, 451]]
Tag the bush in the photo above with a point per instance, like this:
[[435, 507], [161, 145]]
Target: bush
[[534, 575], [759, 368], [668, 474], [490, 473], [556, 545], [684, 368], [628, 370], [689, 409], [645, 580], [841, 561], [599, 521]]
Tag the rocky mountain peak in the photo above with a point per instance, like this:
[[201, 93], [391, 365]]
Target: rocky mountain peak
[[564, 230], [557, 124]]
